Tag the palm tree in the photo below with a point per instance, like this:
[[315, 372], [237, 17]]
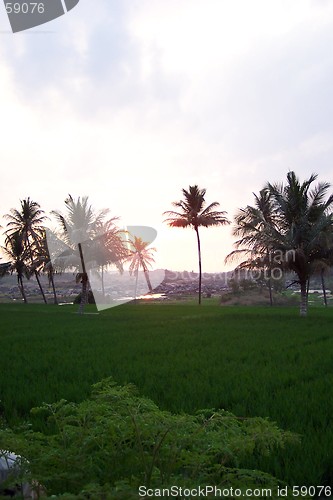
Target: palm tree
[[82, 227], [323, 262], [291, 225], [109, 246], [194, 214], [80, 222], [16, 251], [252, 226], [46, 263], [303, 226], [141, 257], [28, 222]]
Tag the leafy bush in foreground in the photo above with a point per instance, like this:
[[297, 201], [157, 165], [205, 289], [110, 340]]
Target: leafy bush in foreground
[[107, 446]]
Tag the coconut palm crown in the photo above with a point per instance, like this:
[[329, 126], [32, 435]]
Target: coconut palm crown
[[291, 223], [193, 213], [141, 257], [304, 225]]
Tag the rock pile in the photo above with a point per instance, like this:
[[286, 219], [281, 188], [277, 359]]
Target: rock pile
[[187, 283]]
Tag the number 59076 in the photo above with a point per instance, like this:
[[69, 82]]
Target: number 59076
[[25, 8]]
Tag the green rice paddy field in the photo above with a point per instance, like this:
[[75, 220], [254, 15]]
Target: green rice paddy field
[[252, 361]]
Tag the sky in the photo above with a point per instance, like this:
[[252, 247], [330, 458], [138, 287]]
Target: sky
[[130, 101]]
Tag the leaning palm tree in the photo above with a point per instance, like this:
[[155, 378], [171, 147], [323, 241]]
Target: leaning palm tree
[[17, 253], [321, 268], [194, 214], [46, 264], [141, 257], [322, 262], [304, 225], [28, 222]]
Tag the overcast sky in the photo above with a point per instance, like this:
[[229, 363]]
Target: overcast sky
[[129, 101]]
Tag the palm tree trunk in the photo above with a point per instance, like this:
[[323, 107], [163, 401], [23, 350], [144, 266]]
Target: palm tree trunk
[[21, 287], [270, 291], [102, 276], [84, 293], [304, 298], [146, 273], [84, 290], [323, 286], [136, 284], [270, 286], [36, 273], [40, 287], [199, 257], [269, 269], [53, 287]]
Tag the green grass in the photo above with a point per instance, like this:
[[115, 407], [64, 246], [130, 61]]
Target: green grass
[[251, 361]]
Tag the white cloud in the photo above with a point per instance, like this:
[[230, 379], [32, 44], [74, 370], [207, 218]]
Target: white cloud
[[130, 102]]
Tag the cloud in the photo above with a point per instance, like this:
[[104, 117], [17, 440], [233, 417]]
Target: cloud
[[128, 102]]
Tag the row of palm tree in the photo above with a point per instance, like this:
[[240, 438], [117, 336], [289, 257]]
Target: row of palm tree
[[289, 227], [24, 233], [28, 242]]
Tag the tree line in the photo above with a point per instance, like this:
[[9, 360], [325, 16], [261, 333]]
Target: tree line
[[289, 228], [27, 245]]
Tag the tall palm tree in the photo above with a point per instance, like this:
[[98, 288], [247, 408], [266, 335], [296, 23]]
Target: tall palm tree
[[303, 227], [193, 214], [76, 227], [28, 222], [141, 257], [81, 227], [252, 227], [16, 251]]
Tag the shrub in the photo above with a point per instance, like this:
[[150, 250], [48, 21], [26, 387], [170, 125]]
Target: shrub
[[108, 445]]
